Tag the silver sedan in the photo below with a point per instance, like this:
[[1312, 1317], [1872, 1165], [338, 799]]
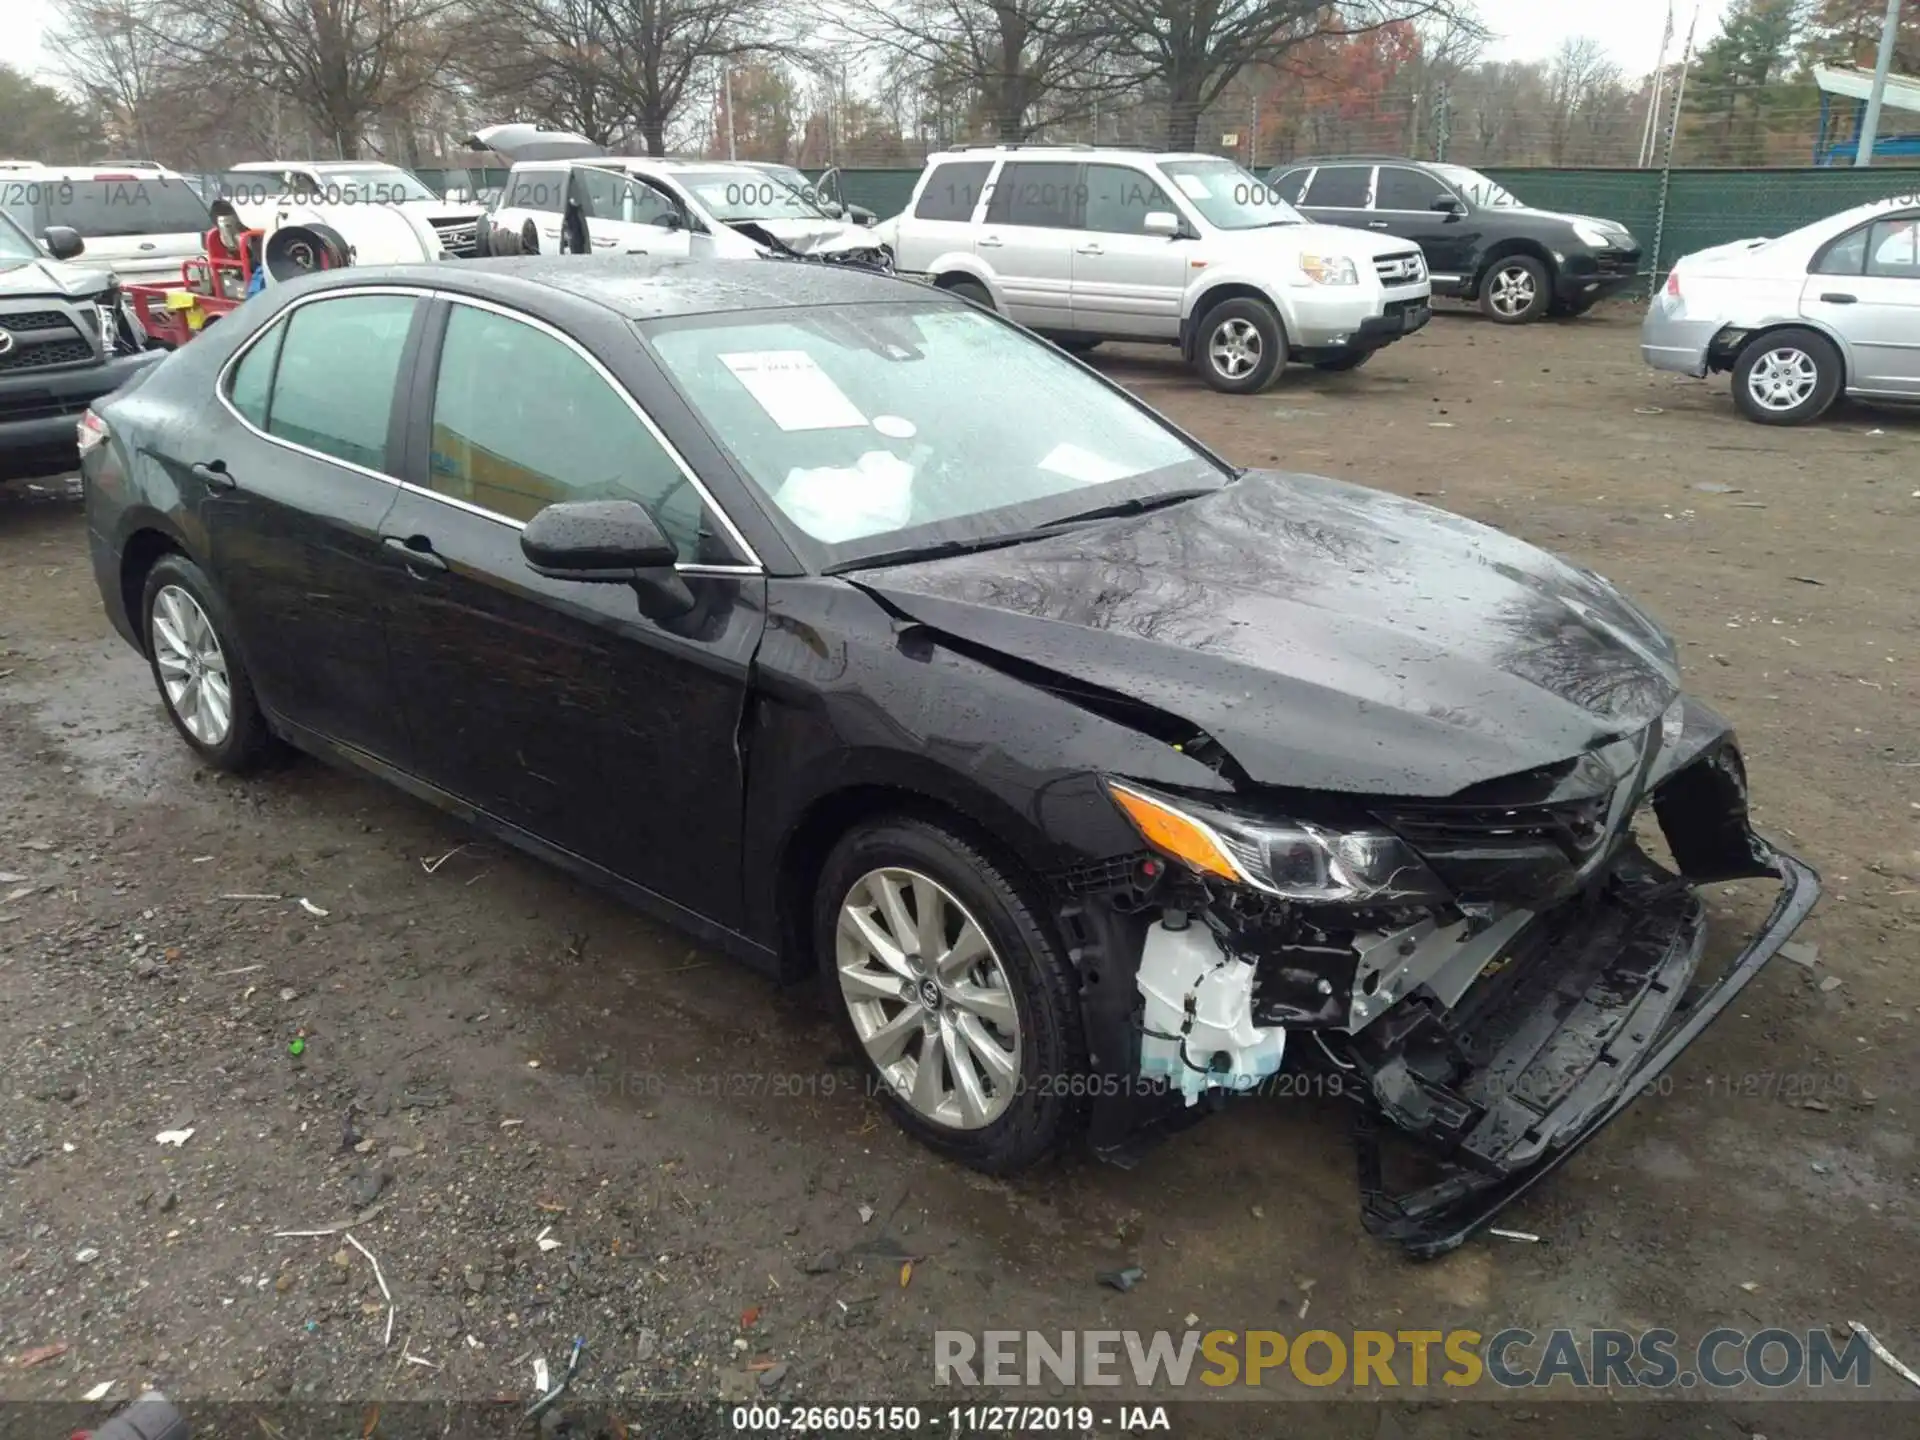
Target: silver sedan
[[1831, 308]]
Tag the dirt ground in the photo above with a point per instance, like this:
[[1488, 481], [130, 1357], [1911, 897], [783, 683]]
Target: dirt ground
[[495, 1059]]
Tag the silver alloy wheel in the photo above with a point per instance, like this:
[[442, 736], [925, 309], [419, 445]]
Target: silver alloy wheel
[[1783, 379], [1235, 348], [1513, 290], [930, 998], [193, 667]]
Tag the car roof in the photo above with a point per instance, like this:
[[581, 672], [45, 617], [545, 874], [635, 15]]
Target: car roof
[[1102, 153], [315, 165], [1306, 160], [112, 171], [640, 287]]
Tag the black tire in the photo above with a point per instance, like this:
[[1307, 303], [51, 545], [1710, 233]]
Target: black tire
[[1223, 324], [1038, 1117], [247, 743], [1817, 360], [970, 290], [1078, 345], [1352, 360], [1517, 290], [529, 237]]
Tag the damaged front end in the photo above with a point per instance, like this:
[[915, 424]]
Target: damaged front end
[[1492, 977]]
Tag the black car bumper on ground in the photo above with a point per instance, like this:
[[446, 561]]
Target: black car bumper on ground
[[39, 410]]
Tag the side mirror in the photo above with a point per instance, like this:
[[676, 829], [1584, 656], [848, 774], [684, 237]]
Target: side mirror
[[63, 241], [608, 541], [1448, 205], [1161, 222]]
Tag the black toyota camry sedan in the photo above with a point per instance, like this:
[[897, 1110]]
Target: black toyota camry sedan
[[863, 634]]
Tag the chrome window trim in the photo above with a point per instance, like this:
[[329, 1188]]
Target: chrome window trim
[[222, 384], [686, 471]]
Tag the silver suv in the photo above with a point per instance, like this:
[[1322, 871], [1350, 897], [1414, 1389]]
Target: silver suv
[[1087, 244]]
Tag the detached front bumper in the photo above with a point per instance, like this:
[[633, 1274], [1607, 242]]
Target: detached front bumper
[[1613, 1001]]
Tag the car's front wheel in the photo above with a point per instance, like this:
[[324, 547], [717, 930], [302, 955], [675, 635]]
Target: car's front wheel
[[960, 1001], [1517, 290], [202, 680], [1788, 377], [1242, 347]]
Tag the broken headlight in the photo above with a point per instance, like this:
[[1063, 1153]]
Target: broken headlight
[[1295, 860]]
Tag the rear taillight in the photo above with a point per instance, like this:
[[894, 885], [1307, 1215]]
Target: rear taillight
[[1673, 283], [93, 433]]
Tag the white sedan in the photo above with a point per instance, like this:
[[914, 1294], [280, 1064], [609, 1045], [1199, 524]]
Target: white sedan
[[1831, 308]]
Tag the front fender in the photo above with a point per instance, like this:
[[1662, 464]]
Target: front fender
[[1239, 276]]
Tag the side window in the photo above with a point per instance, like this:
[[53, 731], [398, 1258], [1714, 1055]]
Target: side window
[[339, 370], [1039, 193], [250, 385], [643, 204], [1119, 199], [1292, 183], [1845, 256], [559, 432], [544, 190], [1893, 248], [1339, 187], [1399, 188], [952, 190]]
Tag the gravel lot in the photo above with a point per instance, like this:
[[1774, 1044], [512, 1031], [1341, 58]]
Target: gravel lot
[[565, 1121]]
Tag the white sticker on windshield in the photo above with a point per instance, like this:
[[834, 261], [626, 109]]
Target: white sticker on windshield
[[795, 392], [1192, 186], [1083, 465], [895, 427]]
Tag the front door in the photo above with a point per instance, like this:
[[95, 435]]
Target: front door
[[625, 216], [1867, 290], [558, 706], [1403, 200], [1125, 281], [1028, 239], [293, 466]]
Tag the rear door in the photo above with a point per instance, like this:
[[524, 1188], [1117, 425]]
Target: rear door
[[1125, 281], [293, 471], [1339, 195], [1866, 288], [941, 221], [1028, 238], [556, 705]]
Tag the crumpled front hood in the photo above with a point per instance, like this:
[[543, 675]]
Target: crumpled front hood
[[1329, 637], [817, 237], [51, 277]]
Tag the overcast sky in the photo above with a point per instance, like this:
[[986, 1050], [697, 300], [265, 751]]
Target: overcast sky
[[1530, 29]]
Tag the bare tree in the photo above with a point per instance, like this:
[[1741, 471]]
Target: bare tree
[[1578, 79], [342, 63], [1021, 65], [547, 60], [1191, 50], [114, 54]]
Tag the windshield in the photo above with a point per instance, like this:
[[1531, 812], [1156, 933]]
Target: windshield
[[149, 205], [1477, 189], [16, 248], [879, 429], [788, 175], [1230, 197], [748, 195]]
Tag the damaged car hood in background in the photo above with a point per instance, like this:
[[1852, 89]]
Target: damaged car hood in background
[[1329, 637]]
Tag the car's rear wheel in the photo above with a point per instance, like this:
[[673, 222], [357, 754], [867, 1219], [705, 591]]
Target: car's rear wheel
[[959, 1000], [1788, 377], [1517, 290], [202, 680], [971, 290], [1241, 348]]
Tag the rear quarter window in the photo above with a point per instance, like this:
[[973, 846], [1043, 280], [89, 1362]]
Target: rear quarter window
[[952, 190], [542, 189]]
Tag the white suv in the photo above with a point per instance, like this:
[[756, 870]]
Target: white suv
[[1088, 244], [140, 222]]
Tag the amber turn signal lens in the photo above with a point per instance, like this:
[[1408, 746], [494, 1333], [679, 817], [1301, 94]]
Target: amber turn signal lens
[[1172, 833]]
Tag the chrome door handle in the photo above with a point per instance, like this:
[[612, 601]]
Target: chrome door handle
[[1376, 225], [1089, 250], [416, 553], [214, 474], [990, 242]]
